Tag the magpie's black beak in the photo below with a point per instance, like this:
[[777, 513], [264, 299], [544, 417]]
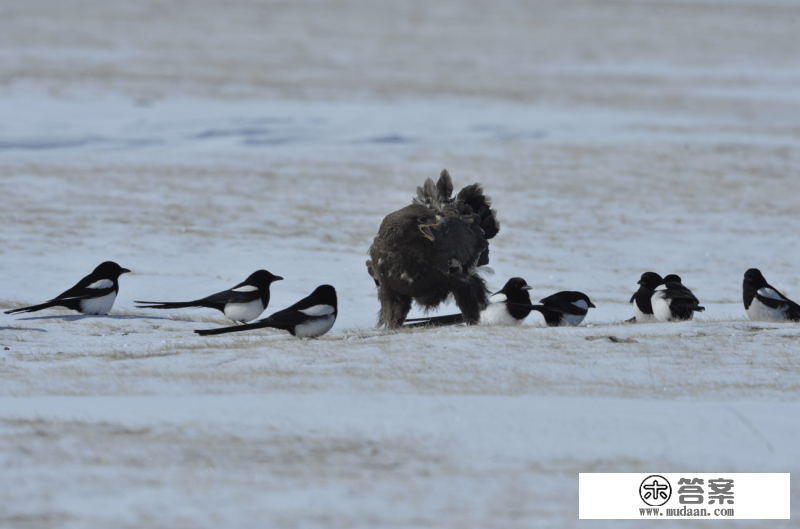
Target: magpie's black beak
[[591, 305], [527, 287], [124, 271], [640, 282], [277, 278]]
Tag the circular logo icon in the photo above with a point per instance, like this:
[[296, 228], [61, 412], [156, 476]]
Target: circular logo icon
[[655, 490]]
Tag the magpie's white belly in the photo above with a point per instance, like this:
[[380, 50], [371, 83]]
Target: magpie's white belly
[[101, 305], [244, 311], [497, 314], [315, 327], [641, 317], [570, 319], [760, 312]]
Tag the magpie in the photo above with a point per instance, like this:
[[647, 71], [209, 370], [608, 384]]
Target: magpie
[[310, 317], [564, 309], [763, 302], [94, 294], [642, 308], [244, 302], [671, 301], [433, 249], [508, 306]]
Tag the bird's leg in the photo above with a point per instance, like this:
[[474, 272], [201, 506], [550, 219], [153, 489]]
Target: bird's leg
[[394, 308], [471, 299]]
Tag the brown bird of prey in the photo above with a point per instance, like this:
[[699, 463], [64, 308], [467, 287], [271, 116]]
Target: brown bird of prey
[[432, 249]]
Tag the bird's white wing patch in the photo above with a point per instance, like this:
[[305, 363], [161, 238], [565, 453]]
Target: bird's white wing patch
[[246, 288], [318, 310], [769, 293], [103, 283], [580, 304], [661, 287], [498, 298]]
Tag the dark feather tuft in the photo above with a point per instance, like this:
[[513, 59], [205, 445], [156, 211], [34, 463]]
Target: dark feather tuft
[[427, 194], [489, 223], [445, 185], [481, 204]]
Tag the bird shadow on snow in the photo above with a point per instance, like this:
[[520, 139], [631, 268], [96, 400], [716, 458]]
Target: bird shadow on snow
[[76, 317], [21, 329]]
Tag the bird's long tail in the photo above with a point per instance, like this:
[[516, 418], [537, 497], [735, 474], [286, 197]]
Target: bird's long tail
[[435, 321], [34, 308], [167, 305], [238, 328]]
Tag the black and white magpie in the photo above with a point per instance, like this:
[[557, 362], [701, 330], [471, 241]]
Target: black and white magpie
[[642, 308], [310, 317], [94, 294], [242, 303], [508, 306], [564, 309], [671, 301], [763, 302]]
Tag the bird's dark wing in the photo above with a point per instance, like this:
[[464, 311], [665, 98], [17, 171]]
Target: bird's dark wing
[[292, 316], [681, 297], [87, 288], [678, 291], [230, 296], [218, 300], [563, 306], [460, 247], [775, 300]]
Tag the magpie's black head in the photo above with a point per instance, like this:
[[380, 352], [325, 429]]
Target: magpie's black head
[[672, 278], [261, 279], [650, 280], [754, 278], [516, 291], [325, 294], [110, 270]]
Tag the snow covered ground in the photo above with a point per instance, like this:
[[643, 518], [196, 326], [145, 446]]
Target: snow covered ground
[[195, 143]]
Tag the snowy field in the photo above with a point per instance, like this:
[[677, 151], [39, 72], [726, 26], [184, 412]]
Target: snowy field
[[196, 142]]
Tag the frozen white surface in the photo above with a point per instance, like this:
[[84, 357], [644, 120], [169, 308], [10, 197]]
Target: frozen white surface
[[195, 143]]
